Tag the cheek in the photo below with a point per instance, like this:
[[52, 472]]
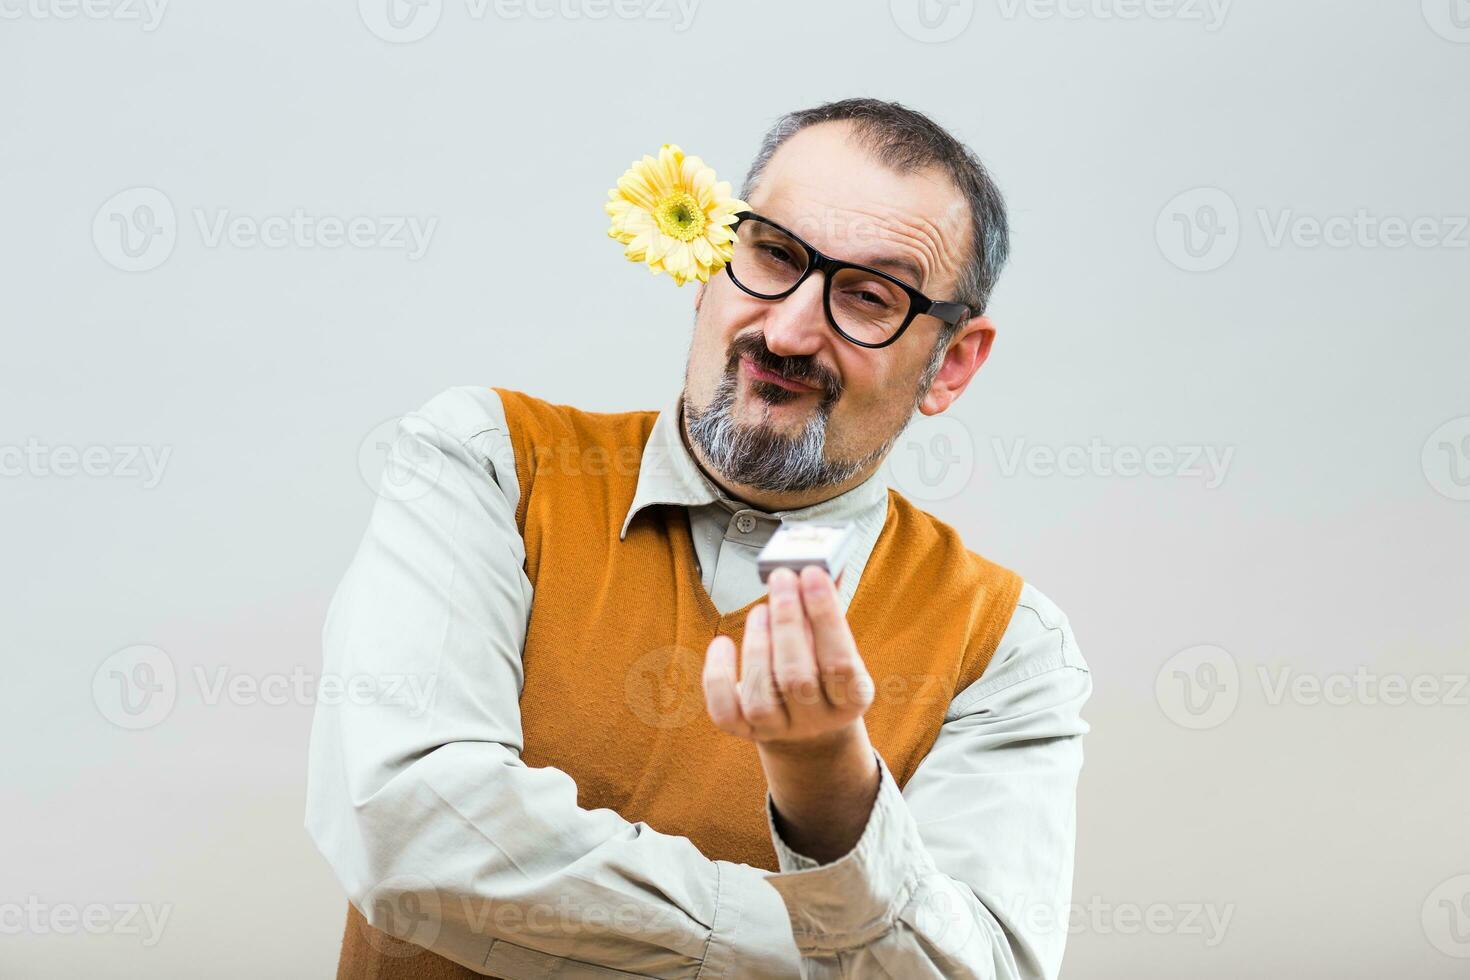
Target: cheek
[[863, 385], [872, 398], [728, 309], [709, 351]]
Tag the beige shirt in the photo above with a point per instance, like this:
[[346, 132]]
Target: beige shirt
[[965, 872]]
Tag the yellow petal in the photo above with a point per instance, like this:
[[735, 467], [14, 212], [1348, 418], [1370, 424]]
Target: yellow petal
[[702, 250], [639, 221], [636, 189], [702, 244]]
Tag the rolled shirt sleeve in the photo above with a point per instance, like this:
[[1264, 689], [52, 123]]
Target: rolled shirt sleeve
[[966, 872], [422, 803]]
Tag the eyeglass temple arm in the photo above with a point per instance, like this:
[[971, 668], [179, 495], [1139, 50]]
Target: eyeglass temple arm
[[948, 312]]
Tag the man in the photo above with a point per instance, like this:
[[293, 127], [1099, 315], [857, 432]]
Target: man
[[881, 783]]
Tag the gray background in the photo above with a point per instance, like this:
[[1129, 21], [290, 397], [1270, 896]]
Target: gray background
[[1329, 829]]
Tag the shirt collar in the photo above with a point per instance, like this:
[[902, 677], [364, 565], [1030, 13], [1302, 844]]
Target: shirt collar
[[669, 474]]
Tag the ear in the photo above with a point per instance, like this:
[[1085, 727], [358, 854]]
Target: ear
[[967, 350]]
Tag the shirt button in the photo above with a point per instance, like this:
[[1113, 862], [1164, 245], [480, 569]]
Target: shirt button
[[745, 523]]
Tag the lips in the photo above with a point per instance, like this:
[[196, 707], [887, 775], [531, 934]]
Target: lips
[[775, 379]]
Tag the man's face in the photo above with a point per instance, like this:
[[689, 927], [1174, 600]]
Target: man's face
[[843, 405]]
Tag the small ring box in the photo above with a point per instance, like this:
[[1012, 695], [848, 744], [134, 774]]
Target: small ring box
[[797, 545]]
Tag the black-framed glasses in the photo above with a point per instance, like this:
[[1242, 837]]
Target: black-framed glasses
[[866, 306]]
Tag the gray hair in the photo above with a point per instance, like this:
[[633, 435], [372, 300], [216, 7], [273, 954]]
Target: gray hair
[[906, 140]]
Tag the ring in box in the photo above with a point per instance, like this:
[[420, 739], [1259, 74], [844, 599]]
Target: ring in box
[[799, 544]]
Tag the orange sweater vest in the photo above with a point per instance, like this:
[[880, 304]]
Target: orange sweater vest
[[617, 634]]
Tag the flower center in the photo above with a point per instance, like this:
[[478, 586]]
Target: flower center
[[680, 216]]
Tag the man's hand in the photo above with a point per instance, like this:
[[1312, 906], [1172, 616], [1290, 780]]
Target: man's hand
[[799, 694], [801, 679]]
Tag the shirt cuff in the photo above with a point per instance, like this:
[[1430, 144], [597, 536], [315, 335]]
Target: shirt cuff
[[851, 901], [750, 937]]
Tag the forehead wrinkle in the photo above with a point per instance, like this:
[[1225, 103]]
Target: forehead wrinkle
[[924, 238], [899, 264], [939, 244]]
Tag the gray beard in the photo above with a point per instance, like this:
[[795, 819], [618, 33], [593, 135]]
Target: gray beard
[[765, 459]]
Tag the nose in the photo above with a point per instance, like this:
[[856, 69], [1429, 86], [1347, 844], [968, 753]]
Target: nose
[[797, 325]]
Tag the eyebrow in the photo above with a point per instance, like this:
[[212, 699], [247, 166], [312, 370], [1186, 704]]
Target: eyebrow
[[894, 264]]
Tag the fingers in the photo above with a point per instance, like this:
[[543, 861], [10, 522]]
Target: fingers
[[760, 700], [721, 688], [792, 661], [799, 672], [845, 683]]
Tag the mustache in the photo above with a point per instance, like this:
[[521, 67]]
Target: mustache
[[806, 370]]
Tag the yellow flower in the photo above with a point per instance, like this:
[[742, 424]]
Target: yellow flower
[[672, 214]]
